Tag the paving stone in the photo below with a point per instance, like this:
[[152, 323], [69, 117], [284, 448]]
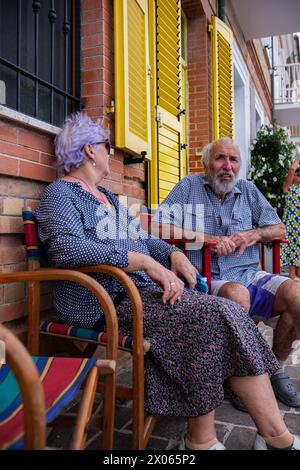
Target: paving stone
[[123, 416], [227, 413], [240, 439], [59, 438], [293, 371], [170, 427], [221, 430], [293, 422]]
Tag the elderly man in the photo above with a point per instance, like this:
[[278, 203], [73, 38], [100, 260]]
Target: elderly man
[[237, 217]]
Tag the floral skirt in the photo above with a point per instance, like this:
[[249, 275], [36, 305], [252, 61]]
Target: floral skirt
[[196, 345]]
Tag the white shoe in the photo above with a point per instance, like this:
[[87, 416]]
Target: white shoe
[[260, 443], [217, 446]]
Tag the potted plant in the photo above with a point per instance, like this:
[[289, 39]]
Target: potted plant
[[271, 156]]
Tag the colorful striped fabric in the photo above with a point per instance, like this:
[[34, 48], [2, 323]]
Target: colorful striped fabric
[[61, 379], [32, 244], [60, 329]]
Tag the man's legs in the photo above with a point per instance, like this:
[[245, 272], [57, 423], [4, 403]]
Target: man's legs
[[236, 292], [287, 305]]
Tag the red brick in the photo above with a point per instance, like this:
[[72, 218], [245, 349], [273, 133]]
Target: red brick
[[11, 224], [21, 188], [8, 133], [9, 312], [91, 89], [12, 254], [46, 159], [14, 292], [90, 16], [35, 141], [37, 172], [91, 76], [31, 203], [9, 166], [117, 166], [93, 62], [91, 28], [17, 151], [12, 206], [14, 268], [91, 5], [93, 52], [92, 41]]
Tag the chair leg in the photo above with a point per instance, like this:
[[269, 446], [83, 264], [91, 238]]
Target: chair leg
[[85, 410], [108, 369], [89, 350]]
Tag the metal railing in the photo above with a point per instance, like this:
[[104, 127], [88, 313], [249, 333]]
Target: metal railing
[[64, 27], [287, 83], [294, 131]]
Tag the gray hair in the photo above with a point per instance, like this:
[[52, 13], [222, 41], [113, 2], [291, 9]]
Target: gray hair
[[208, 148], [78, 130]]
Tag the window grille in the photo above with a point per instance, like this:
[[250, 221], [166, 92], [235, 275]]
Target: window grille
[[40, 57]]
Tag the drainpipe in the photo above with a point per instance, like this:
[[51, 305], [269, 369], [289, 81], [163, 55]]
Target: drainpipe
[[297, 48], [221, 9], [272, 76]]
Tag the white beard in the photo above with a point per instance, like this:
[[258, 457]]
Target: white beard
[[221, 187]]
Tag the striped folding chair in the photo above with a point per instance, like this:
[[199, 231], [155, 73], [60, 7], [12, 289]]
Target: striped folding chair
[[107, 368], [34, 391], [141, 426]]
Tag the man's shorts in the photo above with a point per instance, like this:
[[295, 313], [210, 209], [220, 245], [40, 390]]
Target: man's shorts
[[262, 291]]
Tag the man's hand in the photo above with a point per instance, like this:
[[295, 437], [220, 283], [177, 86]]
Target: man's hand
[[224, 245], [245, 239], [181, 266]]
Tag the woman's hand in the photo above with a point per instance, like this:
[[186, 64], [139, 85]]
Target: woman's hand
[[170, 283], [181, 266]]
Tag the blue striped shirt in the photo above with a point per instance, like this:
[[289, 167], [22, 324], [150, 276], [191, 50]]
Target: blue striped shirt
[[244, 208]]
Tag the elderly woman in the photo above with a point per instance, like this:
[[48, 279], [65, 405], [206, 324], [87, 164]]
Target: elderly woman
[[198, 342]]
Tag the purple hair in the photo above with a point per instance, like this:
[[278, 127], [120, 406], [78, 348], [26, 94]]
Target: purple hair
[[78, 130]]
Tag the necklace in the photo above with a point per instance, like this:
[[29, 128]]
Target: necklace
[[100, 196]]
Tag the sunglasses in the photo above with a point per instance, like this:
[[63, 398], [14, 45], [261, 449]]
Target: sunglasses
[[107, 145]]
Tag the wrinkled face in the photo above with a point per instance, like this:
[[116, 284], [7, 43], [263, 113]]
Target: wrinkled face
[[102, 152], [223, 168]]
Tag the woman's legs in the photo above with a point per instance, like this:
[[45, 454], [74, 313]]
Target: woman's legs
[[202, 428], [258, 396]]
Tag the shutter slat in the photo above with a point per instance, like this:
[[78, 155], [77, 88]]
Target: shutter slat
[[222, 68], [132, 88]]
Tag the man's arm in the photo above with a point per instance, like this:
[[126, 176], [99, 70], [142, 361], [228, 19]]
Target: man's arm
[[224, 245], [256, 235]]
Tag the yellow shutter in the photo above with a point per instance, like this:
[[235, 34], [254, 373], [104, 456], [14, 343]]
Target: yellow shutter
[[168, 94], [222, 79], [132, 75]]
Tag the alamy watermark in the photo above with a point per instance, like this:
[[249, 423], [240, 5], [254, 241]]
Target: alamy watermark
[[2, 353], [167, 221]]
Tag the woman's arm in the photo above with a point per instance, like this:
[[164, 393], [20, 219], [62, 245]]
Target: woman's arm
[[290, 176], [170, 283]]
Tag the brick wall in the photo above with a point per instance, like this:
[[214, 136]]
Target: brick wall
[[98, 91], [199, 89], [26, 156]]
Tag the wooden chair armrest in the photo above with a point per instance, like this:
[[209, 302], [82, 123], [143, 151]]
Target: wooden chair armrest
[[134, 296], [51, 274], [31, 389]]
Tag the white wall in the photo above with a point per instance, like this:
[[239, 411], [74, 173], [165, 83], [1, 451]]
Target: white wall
[[241, 108]]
